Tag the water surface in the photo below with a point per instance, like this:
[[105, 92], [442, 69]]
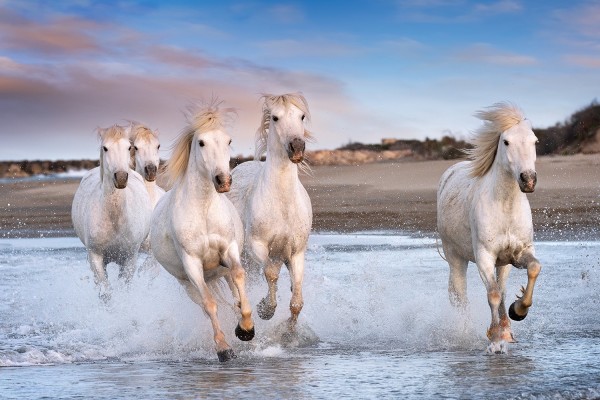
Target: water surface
[[376, 324]]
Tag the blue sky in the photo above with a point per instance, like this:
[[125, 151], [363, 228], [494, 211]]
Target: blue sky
[[369, 69]]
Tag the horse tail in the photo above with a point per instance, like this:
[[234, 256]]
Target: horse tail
[[437, 246]]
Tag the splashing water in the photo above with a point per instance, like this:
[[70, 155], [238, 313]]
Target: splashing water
[[376, 323]]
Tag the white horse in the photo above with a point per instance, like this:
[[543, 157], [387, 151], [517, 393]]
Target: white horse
[[111, 210], [196, 232], [273, 204], [145, 158], [483, 216]]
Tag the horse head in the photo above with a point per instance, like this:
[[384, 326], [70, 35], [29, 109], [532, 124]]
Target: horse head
[[114, 155], [146, 149], [212, 153], [516, 150], [282, 129]]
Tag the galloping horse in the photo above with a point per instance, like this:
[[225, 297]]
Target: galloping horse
[[483, 216], [196, 232], [111, 210], [145, 158], [273, 204]]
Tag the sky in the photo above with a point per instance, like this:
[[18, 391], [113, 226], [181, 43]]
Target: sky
[[369, 70]]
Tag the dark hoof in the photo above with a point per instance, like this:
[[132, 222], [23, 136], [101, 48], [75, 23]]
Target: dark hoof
[[244, 335], [513, 315], [265, 310], [226, 355]]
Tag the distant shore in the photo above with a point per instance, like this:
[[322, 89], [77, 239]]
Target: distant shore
[[387, 196]]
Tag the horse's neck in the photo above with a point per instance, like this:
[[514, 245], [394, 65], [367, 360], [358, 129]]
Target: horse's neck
[[195, 190], [112, 197], [502, 185], [280, 175]]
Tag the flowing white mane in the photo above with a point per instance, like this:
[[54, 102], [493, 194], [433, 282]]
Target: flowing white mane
[[270, 101], [199, 120], [112, 133], [497, 119]]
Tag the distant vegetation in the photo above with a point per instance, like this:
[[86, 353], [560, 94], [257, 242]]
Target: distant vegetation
[[580, 133]]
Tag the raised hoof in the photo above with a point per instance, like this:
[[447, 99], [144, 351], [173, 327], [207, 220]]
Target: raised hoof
[[226, 355], [265, 310], [243, 334], [513, 315]]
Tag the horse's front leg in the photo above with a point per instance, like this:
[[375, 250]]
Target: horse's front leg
[[199, 292], [518, 310], [486, 265], [266, 307], [237, 279], [100, 277], [296, 268], [502, 273]]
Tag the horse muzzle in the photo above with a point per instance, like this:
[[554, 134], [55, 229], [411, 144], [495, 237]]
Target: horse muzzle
[[150, 172], [121, 179], [527, 181], [222, 182], [296, 150]]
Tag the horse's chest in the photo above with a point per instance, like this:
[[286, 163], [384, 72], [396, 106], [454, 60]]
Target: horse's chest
[[510, 251]]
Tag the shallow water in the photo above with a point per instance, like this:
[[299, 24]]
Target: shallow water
[[376, 324]]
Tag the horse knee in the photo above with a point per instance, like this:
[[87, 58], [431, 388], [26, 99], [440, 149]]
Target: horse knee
[[494, 297], [533, 270]]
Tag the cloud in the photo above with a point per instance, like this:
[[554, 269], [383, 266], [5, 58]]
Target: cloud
[[484, 53], [583, 20], [58, 35], [286, 14], [582, 60], [498, 7], [454, 11], [308, 48]]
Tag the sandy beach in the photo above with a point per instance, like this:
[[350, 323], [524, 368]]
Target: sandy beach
[[398, 196]]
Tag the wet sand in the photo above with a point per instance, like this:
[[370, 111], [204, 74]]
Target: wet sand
[[399, 196]]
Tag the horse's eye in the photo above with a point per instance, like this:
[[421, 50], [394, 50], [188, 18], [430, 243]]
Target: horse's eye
[[275, 118], [230, 142], [303, 117], [105, 148], [506, 142], [158, 148], [201, 143]]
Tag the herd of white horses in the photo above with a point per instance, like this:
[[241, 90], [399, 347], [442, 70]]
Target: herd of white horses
[[214, 223]]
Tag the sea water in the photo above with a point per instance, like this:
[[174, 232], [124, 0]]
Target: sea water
[[376, 323]]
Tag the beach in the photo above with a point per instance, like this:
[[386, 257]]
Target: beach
[[391, 196]]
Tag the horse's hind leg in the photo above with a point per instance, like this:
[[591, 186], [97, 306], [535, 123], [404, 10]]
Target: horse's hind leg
[[457, 280], [518, 310], [127, 269], [266, 307]]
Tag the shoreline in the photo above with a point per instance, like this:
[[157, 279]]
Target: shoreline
[[389, 196]]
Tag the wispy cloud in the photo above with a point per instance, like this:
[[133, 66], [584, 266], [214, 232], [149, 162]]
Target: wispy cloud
[[286, 13], [583, 60], [454, 11], [485, 53]]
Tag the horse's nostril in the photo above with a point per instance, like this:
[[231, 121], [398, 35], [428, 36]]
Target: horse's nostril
[[218, 179], [523, 177]]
